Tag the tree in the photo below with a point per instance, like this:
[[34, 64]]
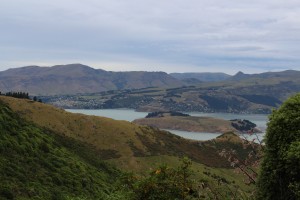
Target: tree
[[280, 169], [20, 95]]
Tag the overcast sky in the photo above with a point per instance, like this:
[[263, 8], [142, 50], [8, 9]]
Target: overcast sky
[[154, 35]]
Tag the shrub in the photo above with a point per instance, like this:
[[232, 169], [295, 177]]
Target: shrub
[[280, 170]]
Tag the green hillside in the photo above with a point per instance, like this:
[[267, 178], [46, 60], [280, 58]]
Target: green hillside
[[120, 142], [47, 153], [37, 164]]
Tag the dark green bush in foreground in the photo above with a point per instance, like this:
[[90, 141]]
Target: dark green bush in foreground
[[280, 169]]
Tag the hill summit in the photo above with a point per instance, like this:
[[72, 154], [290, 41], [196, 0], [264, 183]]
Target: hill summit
[[78, 78]]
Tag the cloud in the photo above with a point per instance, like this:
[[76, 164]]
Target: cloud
[[170, 34]]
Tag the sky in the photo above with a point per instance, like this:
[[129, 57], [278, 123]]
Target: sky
[[152, 35]]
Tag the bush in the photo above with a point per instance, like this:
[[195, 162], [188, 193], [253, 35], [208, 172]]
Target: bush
[[280, 169], [166, 183], [6, 193]]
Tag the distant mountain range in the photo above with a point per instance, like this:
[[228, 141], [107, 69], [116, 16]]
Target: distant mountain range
[[151, 91], [77, 78], [241, 93], [287, 74]]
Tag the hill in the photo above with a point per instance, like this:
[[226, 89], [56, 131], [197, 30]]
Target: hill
[[119, 140], [114, 140], [203, 77], [251, 94], [48, 153], [178, 121], [77, 78], [193, 124], [39, 164], [279, 76]]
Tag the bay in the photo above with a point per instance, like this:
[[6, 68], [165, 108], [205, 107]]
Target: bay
[[129, 115], [194, 135], [117, 114]]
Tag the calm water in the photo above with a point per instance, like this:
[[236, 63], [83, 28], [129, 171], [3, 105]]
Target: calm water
[[195, 135], [130, 115], [117, 114]]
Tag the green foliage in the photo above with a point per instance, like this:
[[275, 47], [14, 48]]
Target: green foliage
[[161, 114], [280, 169], [164, 183], [182, 182], [20, 95], [243, 125], [38, 164]]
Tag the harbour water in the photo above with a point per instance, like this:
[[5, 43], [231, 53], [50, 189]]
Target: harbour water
[[129, 115]]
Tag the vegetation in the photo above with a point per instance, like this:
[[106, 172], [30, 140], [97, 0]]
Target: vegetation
[[38, 164], [164, 183], [180, 121], [120, 140], [258, 93], [261, 99], [20, 95], [47, 153], [186, 99], [53, 152], [193, 124], [243, 125], [280, 169], [162, 114], [182, 182]]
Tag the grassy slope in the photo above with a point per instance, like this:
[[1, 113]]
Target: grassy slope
[[38, 164], [196, 124], [112, 139], [131, 147]]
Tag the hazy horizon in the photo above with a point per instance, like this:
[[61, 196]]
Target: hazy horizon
[[245, 72]]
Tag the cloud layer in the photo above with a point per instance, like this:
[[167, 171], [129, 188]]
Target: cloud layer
[[168, 35]]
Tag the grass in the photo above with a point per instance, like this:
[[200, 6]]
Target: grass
[[194, 124], [115, 139], [90, 139], [102, 133], [201, 173], [39, 164]]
